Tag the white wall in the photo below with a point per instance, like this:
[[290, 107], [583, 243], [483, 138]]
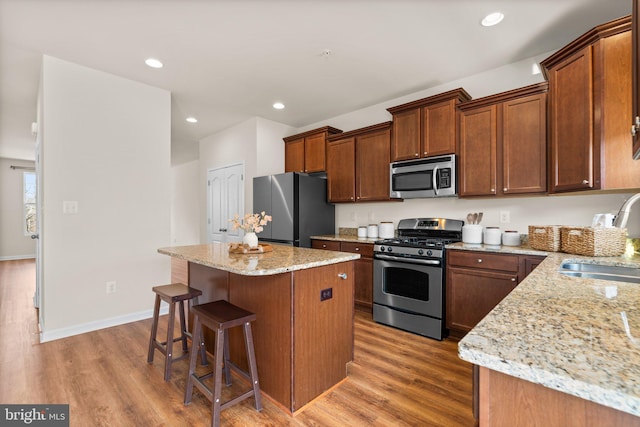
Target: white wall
[[545, 210], [185, 215], [106, 145], [14, 244], [256, 142]]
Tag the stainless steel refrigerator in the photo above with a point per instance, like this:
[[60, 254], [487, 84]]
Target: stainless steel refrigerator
[[298, 205]]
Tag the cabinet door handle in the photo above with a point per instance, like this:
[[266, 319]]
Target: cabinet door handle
[[493, 190], [417, 155], [343, 276], [324, 246], [479, 259], [505, 189], [635, 126], [584, 181], [357, 249], [513, 279]]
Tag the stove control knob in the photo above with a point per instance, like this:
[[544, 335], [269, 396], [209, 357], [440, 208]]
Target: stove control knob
[[420, 251], [429, 252], [382, 248], [389, 249]]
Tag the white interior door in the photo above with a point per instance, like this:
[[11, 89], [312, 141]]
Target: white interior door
[[37, 298], [225, 198]]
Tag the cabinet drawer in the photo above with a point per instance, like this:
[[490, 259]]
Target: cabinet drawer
[[484, 260], [364, 249], [329, 245]]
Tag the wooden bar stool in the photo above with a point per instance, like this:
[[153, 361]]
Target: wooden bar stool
[[172, 294], [220, 316]]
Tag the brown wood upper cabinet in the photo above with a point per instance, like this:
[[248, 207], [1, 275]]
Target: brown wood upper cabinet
[[358, 164], [306, 152], [426, 127], [502, 145], [590, 111]]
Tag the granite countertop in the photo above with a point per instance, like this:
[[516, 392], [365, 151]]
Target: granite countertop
[[519, 250], [281, 260], [576, 335], [346, 238]]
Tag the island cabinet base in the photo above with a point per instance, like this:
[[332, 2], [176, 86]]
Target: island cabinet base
[[303, 333], [510, 401]]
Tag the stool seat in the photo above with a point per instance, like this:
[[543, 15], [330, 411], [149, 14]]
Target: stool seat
[[172, 294], [220, 316], [176, 292]]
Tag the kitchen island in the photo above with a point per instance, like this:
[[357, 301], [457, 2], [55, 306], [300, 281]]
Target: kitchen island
[[559, 350], [303, 299]]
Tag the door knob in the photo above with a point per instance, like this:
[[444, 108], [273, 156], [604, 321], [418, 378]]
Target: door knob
[[35, 236]]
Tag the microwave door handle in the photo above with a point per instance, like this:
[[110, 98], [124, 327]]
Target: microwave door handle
[[434, 183]]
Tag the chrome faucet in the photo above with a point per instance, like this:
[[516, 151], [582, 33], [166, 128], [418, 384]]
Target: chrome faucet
[[625, 210]]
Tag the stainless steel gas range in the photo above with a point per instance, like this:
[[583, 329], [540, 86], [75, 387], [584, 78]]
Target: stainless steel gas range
[[408, 275]]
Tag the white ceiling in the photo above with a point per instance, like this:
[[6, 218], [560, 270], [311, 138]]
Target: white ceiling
[[227, 61]]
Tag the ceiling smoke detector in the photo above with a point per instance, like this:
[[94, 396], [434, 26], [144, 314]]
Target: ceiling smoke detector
[[326, 53]]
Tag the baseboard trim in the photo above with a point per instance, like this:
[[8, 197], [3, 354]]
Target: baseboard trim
[[16, 257], [56, 334]]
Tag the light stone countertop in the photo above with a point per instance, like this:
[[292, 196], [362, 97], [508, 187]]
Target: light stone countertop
[[519, 250], [346, 238], [566, 333], [281, 260]]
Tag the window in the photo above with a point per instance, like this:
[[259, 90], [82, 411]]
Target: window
[[29, 202]]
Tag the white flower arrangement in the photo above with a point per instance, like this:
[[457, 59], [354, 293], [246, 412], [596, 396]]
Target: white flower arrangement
[[251, 222]]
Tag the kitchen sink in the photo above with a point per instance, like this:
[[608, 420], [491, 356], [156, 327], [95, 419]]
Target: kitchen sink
[[601, 271]]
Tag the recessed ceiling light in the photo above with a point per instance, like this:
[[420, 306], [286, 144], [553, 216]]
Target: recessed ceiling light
[[153, 63], [492, 19], [191, 120], [278, 105]]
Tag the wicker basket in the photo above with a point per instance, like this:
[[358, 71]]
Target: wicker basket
[[545, 237], [594, 241]]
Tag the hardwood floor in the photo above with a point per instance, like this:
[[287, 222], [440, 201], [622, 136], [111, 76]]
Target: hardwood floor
[[396, 378]]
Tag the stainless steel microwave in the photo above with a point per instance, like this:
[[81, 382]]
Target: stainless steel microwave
[[423, 178]]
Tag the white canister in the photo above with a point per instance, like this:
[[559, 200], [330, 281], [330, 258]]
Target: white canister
[[511, 238], [372, 231], [386, 231], [472, 233], [603, 220], [362, 232], [492, 236]]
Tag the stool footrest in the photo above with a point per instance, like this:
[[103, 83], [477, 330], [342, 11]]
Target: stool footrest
[[235, 400], [244, 374]]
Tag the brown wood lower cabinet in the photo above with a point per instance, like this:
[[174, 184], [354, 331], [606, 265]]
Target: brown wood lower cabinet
[[303, 340], [478, 281], [510, 401], [363, 268]]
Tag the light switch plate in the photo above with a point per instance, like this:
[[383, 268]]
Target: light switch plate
[[70, 207]]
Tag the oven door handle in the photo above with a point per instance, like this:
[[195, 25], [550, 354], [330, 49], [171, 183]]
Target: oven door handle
[[409, 260]]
